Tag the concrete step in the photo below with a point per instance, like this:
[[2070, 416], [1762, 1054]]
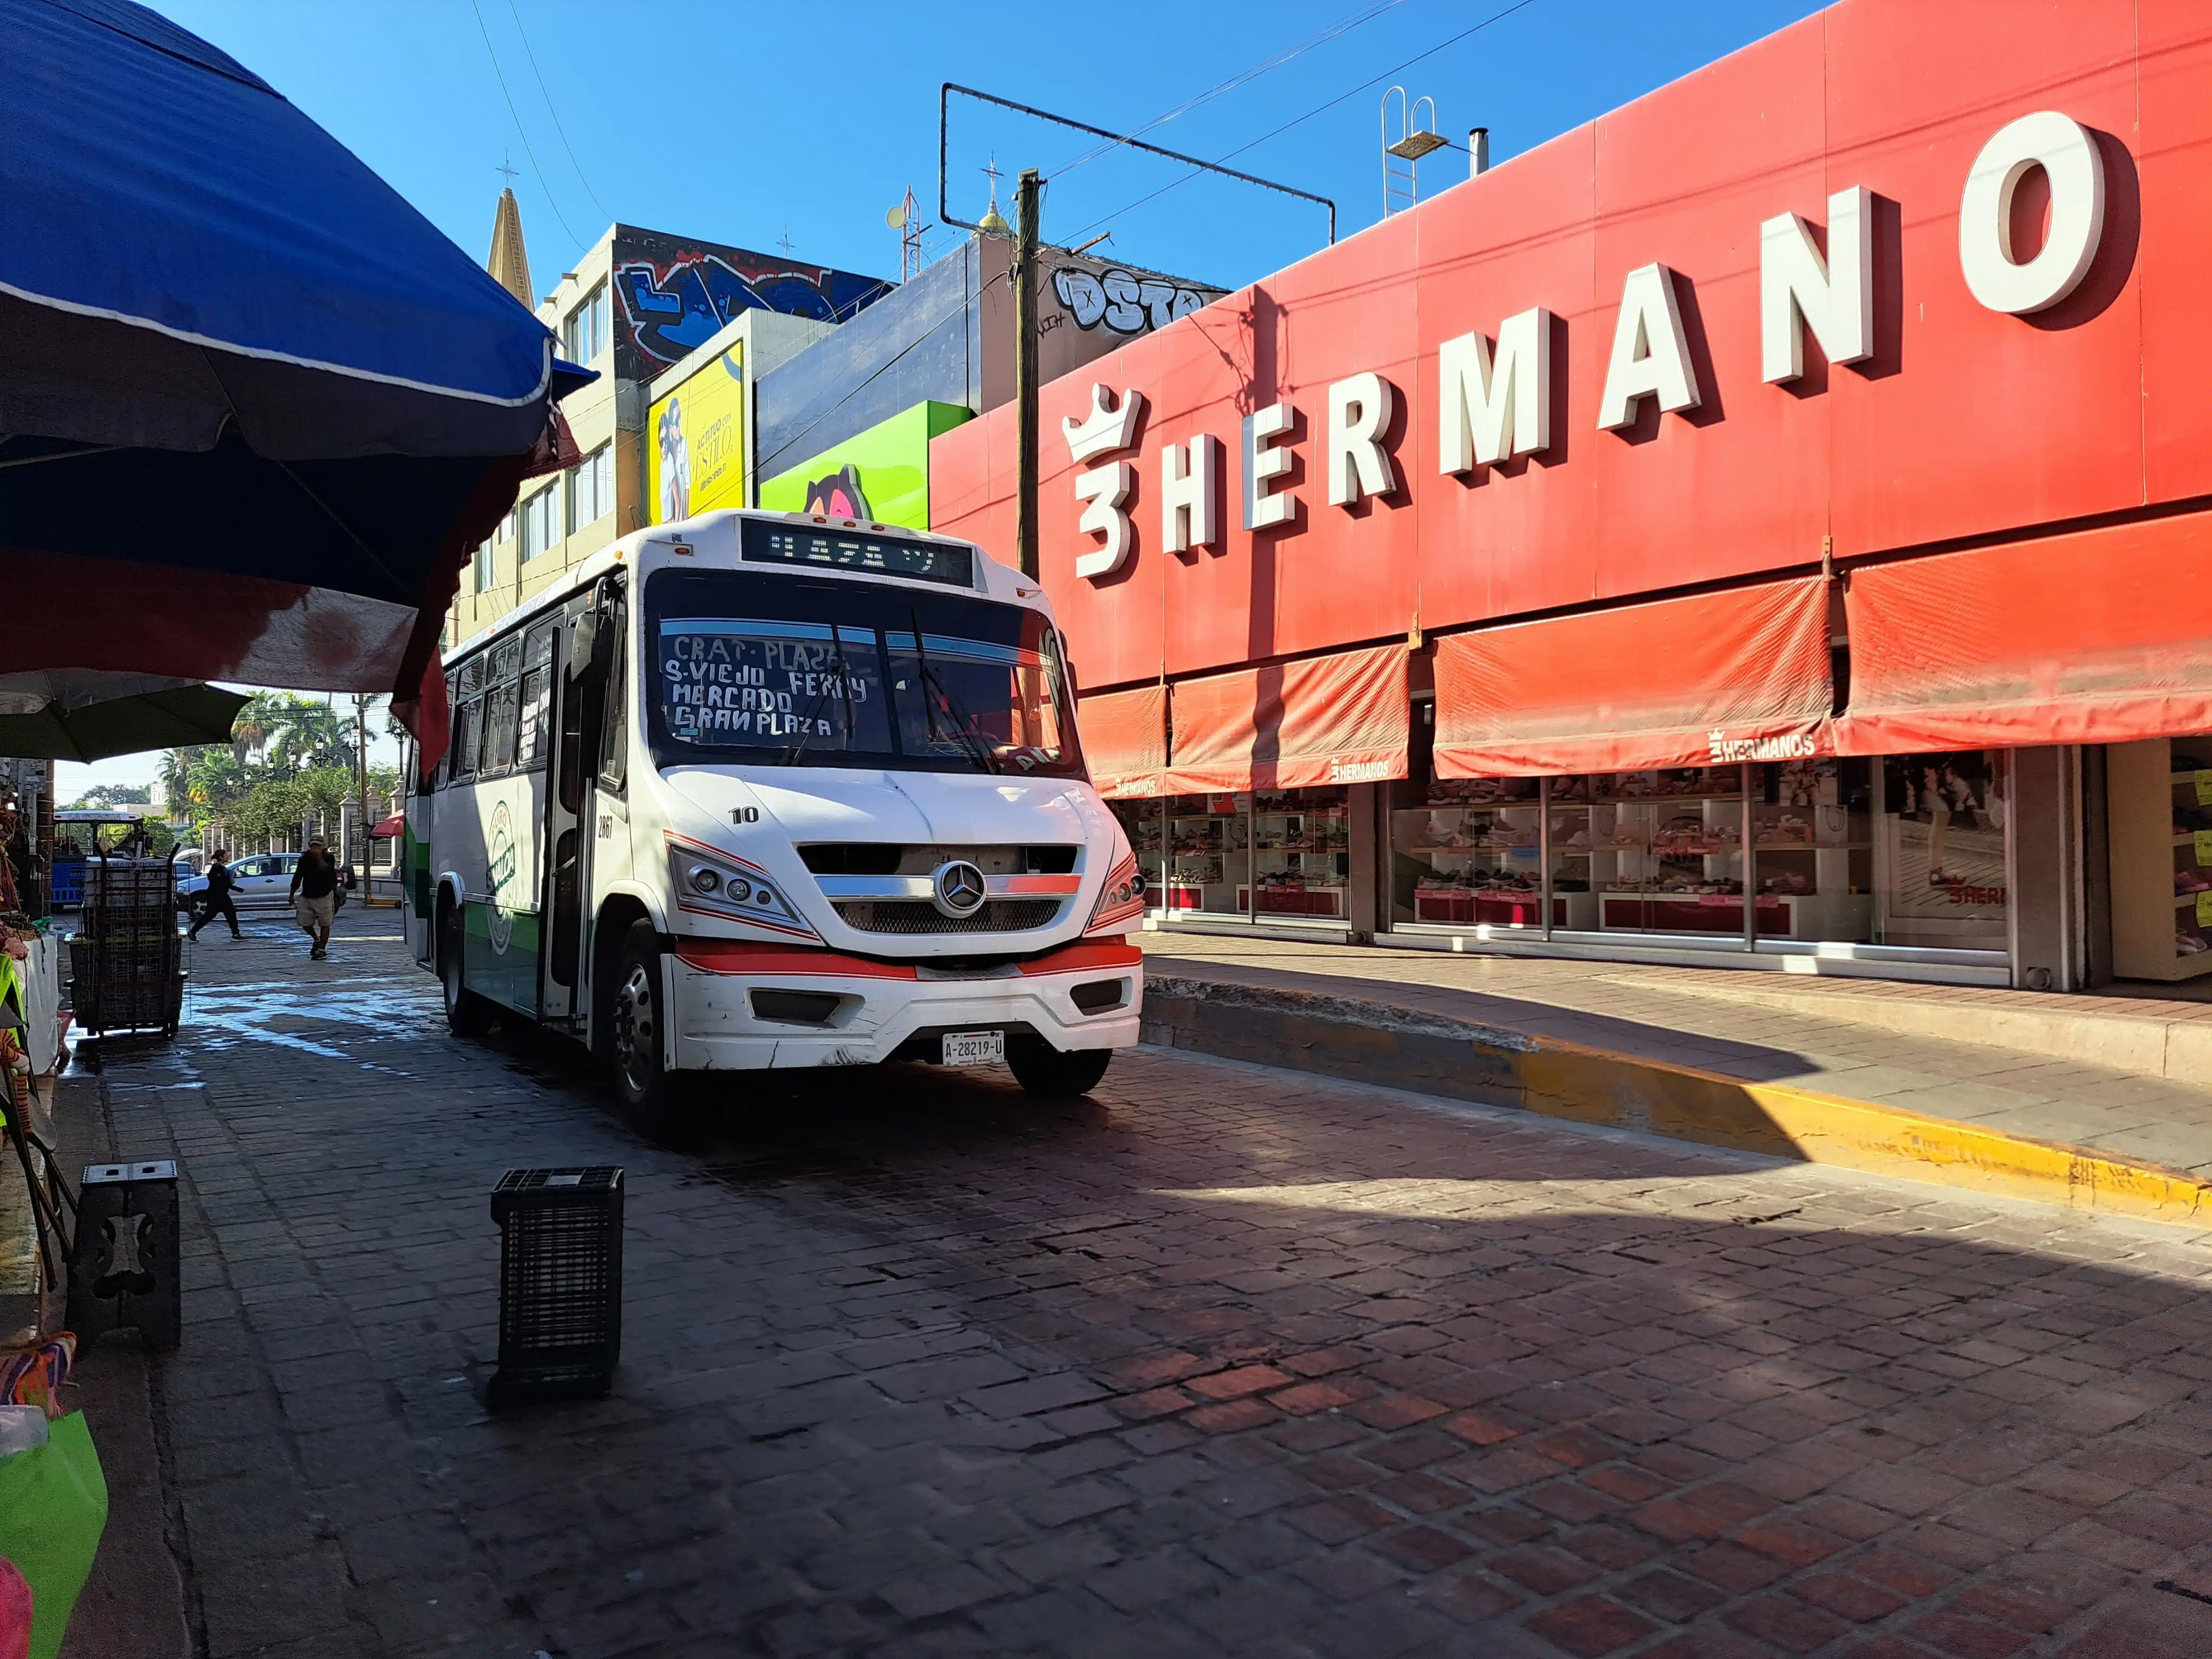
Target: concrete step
[[2117, 1033], [1371, 1040]]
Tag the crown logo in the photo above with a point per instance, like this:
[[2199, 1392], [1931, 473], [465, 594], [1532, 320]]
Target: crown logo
[[1107, 429]]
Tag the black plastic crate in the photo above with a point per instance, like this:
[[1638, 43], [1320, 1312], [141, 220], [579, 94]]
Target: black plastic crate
[[124, 1271], [560, 1283]]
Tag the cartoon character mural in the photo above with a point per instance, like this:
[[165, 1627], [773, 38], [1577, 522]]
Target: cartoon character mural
[[673, 296], [675, 464], [839, 496]]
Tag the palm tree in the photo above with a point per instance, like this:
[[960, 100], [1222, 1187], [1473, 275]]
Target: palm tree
[[177, 779], [309, 734], [257, 723]]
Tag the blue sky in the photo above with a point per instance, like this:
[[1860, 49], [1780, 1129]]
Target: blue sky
[[747, 123]]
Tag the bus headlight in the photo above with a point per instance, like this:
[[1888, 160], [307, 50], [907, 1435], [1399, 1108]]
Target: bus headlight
[[707, 886], [1121, 901]]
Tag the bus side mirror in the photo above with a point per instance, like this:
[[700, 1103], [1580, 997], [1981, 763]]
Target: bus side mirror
[[584, 643]]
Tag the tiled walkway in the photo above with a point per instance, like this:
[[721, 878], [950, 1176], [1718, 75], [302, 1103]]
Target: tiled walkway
[[1820, 1037], [1221, 1361]]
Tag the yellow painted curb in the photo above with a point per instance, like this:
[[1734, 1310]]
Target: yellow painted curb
[[1378, 1042], [1592, 1086]]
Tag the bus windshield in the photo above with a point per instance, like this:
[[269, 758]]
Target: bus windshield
[[786, 671]]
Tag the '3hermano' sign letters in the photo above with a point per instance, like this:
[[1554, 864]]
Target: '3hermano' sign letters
[[1496, 397]]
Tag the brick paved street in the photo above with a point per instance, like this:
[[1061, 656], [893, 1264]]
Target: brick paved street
[[1225, 1361]]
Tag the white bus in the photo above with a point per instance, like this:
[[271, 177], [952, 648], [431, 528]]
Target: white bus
[[766, 789]]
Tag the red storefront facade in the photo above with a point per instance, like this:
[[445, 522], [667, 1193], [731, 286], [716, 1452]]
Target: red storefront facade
[[1769, 522]]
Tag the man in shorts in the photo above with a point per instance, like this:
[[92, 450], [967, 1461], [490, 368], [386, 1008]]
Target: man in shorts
[[315, 896]]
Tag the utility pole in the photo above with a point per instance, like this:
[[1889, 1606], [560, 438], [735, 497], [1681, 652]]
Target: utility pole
[[1025, 369], [361, 779]]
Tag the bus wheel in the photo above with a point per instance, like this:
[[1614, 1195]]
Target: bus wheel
[[1058, 1074], [637, 1034], [466, 1014]]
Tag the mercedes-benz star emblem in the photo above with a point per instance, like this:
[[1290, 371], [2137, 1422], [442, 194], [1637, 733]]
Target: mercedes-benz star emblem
[[959, 889]]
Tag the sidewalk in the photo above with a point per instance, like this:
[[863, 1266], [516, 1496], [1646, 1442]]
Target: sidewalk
[[2132, 1081], [1222, 1361]]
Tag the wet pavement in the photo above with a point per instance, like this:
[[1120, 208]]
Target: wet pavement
[[1222, 1360]]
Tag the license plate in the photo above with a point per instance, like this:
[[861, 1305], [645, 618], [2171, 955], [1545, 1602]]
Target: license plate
[[975, 1048]]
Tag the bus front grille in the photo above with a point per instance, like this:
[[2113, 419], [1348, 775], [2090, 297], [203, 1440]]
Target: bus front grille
[[920, 916]]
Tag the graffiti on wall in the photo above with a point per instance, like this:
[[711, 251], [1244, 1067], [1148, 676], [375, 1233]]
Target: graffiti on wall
[[672, 297], [1126, 303]]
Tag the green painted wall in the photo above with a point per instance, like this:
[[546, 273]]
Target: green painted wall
[[890, 462]]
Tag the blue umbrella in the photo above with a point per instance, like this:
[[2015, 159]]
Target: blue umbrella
[[256, 408]]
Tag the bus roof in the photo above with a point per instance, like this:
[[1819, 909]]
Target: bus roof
[[96, 815], [589, 569]]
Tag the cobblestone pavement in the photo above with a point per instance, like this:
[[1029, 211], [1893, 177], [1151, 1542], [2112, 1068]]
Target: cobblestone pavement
[[1222, 1361]]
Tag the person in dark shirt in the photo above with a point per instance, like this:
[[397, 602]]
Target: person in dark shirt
[[314, 896], [216, 899]]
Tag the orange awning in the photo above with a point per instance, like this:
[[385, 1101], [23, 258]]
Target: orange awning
[[2100, 636], [1707, 679], [1124, 740], [1339, 718]]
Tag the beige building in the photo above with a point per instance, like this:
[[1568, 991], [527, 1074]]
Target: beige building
[[637, 304]]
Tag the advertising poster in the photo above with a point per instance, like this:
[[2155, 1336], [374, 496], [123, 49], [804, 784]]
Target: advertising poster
[[1942, 852], [694, 450], [880, 476]]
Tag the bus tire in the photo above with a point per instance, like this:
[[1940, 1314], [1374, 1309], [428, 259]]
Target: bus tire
[[1056, 1073], [466, 1013], [637, 1036]]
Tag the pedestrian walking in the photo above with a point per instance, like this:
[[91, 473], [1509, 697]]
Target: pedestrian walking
[[216, 899], [315, 896]]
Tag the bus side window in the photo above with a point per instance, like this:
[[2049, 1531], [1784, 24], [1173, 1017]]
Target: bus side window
[[468, 704], [614, 739], [501, 708], [532, 737]]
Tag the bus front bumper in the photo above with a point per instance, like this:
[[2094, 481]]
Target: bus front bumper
[[740, 1006]]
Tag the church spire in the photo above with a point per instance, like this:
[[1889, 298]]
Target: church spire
[[509, 264]]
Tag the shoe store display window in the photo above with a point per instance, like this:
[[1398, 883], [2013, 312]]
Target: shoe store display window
[[1664, 851], [1301, 865], [1146, 827], [1785, 857], [1812, 837], [1273, 855], [1209, 855], [1469, 851], [2159, 807]]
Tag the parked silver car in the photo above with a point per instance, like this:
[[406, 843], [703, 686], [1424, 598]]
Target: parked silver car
[[259, 881]]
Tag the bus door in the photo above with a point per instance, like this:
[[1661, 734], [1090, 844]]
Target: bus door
[[589, 635]]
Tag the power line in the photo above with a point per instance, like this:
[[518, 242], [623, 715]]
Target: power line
[[556, 114], [525, 135], [1345, 25], [1318, 109]]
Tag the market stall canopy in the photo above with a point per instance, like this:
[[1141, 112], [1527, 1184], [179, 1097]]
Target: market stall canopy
[[1124, 740], [169, 717], [256, 408], [1339, 718], [1704, 679], [2100, 636], [76, 687]]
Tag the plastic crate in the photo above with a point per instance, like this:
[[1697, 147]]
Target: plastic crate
[[127, 1268], [560, 1283]]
